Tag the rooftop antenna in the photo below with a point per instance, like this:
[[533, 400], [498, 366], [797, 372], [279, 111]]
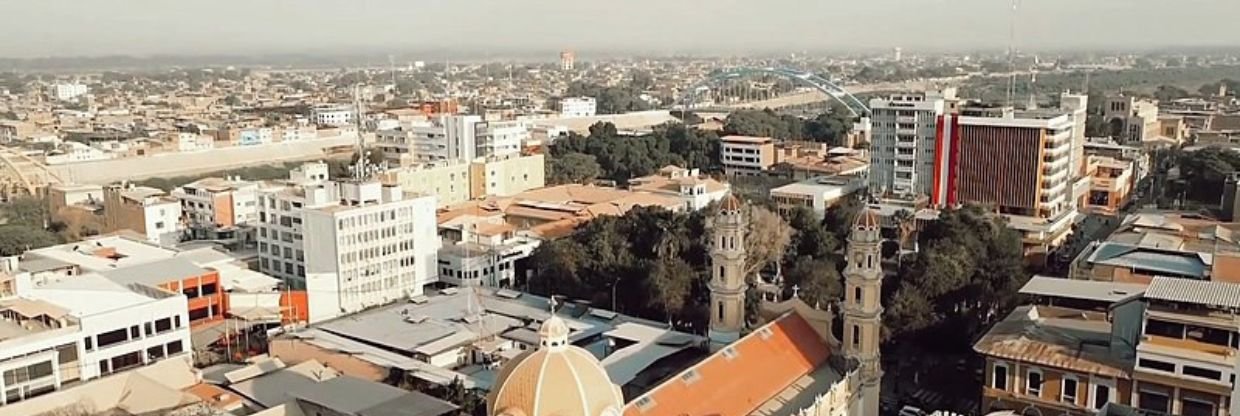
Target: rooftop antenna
[[359, 169], [1012, 52]]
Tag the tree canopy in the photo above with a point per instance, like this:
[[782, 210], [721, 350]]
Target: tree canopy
[[1203, 172], [830, 127], [621, 158], [965, 277], [15, 239]]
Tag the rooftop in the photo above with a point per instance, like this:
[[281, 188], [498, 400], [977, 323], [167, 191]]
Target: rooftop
[[1205, 293], [156, 273], [102, 253], [747, 139], [1081, 289], [354, 396], [1167, 261], [90, 294], [1055, 337]]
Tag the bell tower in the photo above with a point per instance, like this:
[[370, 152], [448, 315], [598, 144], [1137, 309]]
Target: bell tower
[[863, 310], [727, 283]]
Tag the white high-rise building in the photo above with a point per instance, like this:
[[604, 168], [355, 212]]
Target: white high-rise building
[[578, 107], [902, 144], [452, 138], [349, 244], [66, 91]]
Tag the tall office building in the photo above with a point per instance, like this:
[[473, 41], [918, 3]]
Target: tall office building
[[453, 139], [1018, 163], [349, 244], [903, 134], [567, 60]]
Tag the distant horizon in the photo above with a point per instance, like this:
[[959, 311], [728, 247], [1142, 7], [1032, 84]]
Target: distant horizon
[[479, 28]]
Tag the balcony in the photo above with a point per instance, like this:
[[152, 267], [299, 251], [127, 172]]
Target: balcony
[[1224, 354]]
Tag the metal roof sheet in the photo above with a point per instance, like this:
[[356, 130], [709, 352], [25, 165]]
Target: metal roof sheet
[[1201, 292]]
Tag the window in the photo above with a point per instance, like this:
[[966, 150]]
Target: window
[[719, 309], [729, 353], [1155, 401], [133, 332], [1033, 383], [1202, 372], [1207, 335], [999, 378], [1164, 329], [163, 325], [645, 403], [1069, 390], [110, 338], [856, 335], [1192, 406], [173, 347], [1102, 395], [90, 343], [176, 320], [857, 295], [690, 377], [1156, 365], [155, 353]]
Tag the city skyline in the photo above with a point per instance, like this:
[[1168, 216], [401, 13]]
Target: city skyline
[[115, 28]]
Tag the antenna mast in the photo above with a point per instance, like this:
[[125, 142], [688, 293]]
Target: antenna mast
[[360, 168], [1011, 91]]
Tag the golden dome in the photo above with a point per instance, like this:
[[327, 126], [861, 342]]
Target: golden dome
[[558, 379]]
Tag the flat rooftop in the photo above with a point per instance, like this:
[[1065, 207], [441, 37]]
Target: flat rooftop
[[1055, 337]]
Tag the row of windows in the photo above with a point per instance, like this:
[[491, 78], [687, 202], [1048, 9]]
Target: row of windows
[[122, 335], [1188, 370], [275, 265], [1035, 382]]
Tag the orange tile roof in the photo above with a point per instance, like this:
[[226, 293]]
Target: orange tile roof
[[763, 366]]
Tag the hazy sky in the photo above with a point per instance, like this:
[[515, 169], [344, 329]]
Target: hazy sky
[[33, 28]]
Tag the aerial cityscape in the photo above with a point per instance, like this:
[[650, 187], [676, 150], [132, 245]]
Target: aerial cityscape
[[638, 208]]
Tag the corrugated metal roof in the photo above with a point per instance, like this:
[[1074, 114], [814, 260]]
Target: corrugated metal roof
[[1209, 293], [1080, 289], [1171, 262]]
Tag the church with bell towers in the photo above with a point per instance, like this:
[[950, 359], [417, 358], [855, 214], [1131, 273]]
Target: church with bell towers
[[789, 342]]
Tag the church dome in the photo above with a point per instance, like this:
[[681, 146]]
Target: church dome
[[867, 219], [730, 203], [558, 379]]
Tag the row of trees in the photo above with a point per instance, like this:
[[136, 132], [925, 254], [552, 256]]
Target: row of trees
[[605, 154], [22, 226], [611, 99], [829, 127], [1204, 171], [655, 264]]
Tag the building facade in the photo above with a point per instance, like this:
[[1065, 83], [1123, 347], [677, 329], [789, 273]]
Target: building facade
[[903, 143], [863, 309], [333, 115], [350, 245], [147, 211], [210, 205], [1131, 120], [746, 156], [578, 107]]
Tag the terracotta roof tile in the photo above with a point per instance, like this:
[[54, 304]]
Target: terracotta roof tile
[[743, 376]]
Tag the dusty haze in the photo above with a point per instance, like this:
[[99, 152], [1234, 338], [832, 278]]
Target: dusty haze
[[39, 28]]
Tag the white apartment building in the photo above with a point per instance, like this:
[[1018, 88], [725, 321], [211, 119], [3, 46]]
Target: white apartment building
[[482, 253], [297, 133], [332, 115], [213, 204], [695, 189], [350, 245], [65, 91], [578, 107], [453, 183], [500, 138], [746, 155], [191, 142], [902, 143], [81, 328], [147, 211], [451, 138], [75, 152]]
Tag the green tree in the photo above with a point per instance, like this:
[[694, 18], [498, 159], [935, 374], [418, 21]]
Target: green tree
[[1169, 92], [669, 284], [572, 168], [818, 280], [558, 262], [30, 211], [15, 239]]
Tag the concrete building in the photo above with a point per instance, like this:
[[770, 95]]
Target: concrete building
[[746, 156], [1146, 245], [349, 244], [190, 142], [1105, 147], [1019, 163], [1229, 206], [450, 138], [1131, 120], [63, 332], [333, 115], [482, 251], [1111, 182], [1186, 360], [578, 107], [695, 189], [219, 208], [1071, 353], [904, 144], [818, 193], [800, 161], [454, 183], [66, 91], [567, 60], [144, 210]]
